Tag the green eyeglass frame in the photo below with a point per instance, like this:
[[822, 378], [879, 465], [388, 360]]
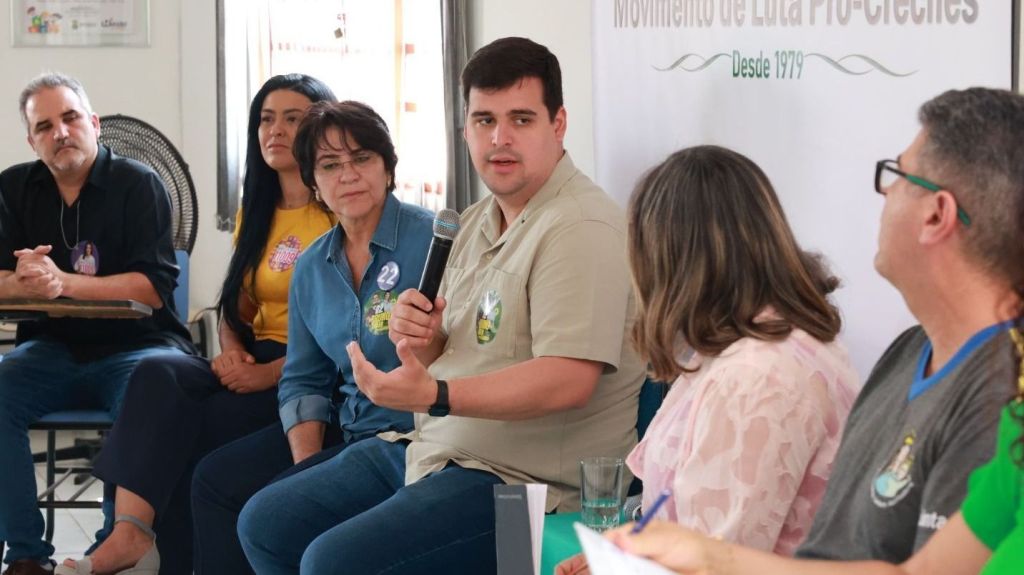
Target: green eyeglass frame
[[893, 166]]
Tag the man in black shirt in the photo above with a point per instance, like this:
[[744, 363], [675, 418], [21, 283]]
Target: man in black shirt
[[80, 223]]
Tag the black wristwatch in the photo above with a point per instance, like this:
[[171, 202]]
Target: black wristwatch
[[441, 407]]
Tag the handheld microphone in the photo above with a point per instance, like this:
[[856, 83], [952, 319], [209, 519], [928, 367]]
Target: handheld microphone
[[446, 226]]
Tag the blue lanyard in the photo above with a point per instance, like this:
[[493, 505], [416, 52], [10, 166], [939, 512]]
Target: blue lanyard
[[922, 384]]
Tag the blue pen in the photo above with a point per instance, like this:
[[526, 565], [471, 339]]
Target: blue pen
[[649, 514]]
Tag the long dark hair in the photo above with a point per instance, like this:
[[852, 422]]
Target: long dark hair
[[709, 249], [262, 194]]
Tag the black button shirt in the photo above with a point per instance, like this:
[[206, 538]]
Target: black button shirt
[[125, 212]]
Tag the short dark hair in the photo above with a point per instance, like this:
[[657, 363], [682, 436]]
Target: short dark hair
[[974, 145], [351, 118], [709, 250], [506, 61]]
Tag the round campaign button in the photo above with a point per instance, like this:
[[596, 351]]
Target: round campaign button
[[488, 317], [388, 276]]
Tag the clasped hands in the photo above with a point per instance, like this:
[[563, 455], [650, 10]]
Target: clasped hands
[[239, 372], [36, 274], [408, 387]]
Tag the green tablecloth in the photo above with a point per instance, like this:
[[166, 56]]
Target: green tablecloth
[[560, 541]]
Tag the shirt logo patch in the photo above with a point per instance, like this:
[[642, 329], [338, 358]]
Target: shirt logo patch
[[488, 317], [85, 259], [931, 520], [283, 257], [377, 311], [894, 481]]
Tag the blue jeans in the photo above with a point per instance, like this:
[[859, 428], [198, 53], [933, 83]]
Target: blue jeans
[[224, 481], [353, 514], [37, 378]]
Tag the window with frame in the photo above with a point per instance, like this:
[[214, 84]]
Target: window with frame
[[386, 53]]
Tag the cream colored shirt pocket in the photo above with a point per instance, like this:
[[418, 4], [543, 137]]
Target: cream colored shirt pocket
[[493, 314]]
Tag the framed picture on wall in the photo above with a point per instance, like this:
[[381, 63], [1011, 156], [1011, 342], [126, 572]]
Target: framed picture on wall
[[47, 23]]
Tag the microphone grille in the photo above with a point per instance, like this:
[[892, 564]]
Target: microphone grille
[[446, 224]]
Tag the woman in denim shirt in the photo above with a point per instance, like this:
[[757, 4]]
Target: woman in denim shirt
[[341, 291]]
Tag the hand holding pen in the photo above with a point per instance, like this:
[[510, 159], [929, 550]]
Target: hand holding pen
[[669, 544], [577, 565]]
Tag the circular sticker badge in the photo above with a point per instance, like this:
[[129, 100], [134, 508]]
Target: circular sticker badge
[[388, 276], [285, 253], [488, 317], [85, 258], [377, 311]]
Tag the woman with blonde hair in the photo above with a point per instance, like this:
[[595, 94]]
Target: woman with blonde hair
[[734, 312], [986, 536]]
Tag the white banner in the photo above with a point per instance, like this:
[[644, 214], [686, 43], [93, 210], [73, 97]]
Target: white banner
[[814, 91]]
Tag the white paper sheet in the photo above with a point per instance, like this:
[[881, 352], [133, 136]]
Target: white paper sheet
[[604, 558], [536, 497]]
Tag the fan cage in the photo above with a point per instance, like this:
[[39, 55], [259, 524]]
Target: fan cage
[[140, 141]]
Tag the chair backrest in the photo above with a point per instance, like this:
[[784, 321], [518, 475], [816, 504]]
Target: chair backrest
[[140, 141], [181, 292], [652, 393]]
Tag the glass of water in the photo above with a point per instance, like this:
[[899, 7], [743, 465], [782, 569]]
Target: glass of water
[[601, 491]]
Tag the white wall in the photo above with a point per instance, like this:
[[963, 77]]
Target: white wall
[[198, 96], [171, 84], [142, 82], [564, 27]]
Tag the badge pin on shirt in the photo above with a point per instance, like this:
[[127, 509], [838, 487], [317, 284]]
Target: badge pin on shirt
[[388, 276], [85, 258]]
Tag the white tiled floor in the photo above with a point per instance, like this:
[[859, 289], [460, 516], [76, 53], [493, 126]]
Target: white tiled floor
[[74, 529]]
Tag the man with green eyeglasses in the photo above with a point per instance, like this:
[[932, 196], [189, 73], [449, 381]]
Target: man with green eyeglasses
[[952, 242]]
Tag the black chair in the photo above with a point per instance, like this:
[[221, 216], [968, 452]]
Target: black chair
[[138, 140]]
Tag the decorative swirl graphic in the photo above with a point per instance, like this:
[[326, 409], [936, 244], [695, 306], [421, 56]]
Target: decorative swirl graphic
[[705, 62], [784, 60], [874, 64]]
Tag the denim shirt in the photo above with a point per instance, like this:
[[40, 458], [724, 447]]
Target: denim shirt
[[325, 313]]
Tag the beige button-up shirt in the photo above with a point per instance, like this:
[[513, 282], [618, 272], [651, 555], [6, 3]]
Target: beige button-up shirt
[[556, 283]]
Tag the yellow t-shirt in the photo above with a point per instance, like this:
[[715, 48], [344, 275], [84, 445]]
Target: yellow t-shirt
[[291, 231]]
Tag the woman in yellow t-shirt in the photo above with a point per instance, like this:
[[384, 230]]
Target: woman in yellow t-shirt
[[177, 409]]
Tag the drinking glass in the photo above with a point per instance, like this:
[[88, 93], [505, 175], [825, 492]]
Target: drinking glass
[[601, 491]]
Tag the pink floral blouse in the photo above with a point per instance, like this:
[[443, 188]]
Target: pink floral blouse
[[746, 443]]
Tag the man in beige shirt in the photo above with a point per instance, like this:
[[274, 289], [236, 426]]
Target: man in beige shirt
[[521, 367]]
